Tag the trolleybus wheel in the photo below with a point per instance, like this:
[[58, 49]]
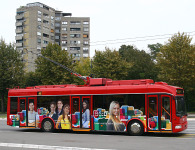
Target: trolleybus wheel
[[135, 128], [47, 125]]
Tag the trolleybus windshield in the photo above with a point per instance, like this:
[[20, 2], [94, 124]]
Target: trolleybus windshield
[[180, 106]]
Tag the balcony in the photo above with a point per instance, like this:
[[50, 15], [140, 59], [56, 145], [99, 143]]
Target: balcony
[[44, 45], [19, 23], [85, 51], [19, 37], [19, 16], [19, 44], [19, 30]]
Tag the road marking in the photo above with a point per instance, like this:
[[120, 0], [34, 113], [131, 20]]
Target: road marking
[[17, 145], [190, 118]]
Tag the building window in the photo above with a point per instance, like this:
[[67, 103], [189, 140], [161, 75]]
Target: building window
[[39, 26], [64, 22], [75, 48], [39, 19], [85, 35], [75, 42], [75, 29], [85, 42], [39, 13], [75, 35], [52, 31], [57, 37], [64, 35], [64, 29], [45, 35], [45, 22], [52, 17], [85, 29], [38, 40], [57, 30], [85, 22], [58, 18], [65, 48], [85, 55], [39, 33], [19, 34], [76, 55], [64, 42], [75, 22], [85, 48], [52, 24], [57, 24], [45, 42]]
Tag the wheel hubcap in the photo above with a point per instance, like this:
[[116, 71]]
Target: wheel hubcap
[[47, 125], [135, 127]]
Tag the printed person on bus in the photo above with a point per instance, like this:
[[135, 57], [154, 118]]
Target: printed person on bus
[[52, 113], [64, 121], [59, 109], [85, 115], [31, 115], [114, 122]]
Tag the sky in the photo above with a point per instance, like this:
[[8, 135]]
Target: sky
[[116, 22]]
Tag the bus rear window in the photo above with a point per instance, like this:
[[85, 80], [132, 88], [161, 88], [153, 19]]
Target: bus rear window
[[13, 105]]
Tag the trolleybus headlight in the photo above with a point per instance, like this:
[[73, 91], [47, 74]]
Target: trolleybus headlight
[[178, 127]]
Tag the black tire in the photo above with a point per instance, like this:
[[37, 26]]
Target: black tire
[[47, 125], [135, 128]]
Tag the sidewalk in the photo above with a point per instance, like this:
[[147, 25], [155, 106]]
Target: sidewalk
[[191, 115]]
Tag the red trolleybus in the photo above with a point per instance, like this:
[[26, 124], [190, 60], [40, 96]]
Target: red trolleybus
[[133, 106]]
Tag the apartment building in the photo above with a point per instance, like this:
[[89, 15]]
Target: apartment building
[[38, 24]]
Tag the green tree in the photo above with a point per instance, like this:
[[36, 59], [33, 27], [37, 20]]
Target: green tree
[[83, 67], [31, 79], [142, 64], [154, 50], [109, 64], [177, 62], [51, 73], [11, 70]]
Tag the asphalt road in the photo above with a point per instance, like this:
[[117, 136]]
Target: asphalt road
[[95, 140]]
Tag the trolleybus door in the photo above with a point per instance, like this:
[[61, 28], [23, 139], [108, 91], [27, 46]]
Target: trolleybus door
[[32, 112], [80, 111], [86, 112], [166, 119], [159, 113], [22, 111], [27, 117], [153, 111]]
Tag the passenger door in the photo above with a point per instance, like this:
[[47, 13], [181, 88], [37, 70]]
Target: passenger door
[[153, 111], [166, 119], [81, 112], [24, 112]]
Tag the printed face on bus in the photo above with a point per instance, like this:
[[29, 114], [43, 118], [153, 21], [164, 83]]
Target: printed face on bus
[[66, 110], [52, 107], [60, 105], [116, 110], [31, 106], [84, 105]]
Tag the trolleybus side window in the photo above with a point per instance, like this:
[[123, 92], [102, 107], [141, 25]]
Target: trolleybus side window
[[166, 107], [22, 104], [13, 105], [152, 106]]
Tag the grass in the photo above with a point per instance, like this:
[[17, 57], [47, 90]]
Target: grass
[[3, 115]]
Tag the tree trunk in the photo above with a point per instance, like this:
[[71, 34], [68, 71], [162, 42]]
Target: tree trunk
[[2, 103]]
